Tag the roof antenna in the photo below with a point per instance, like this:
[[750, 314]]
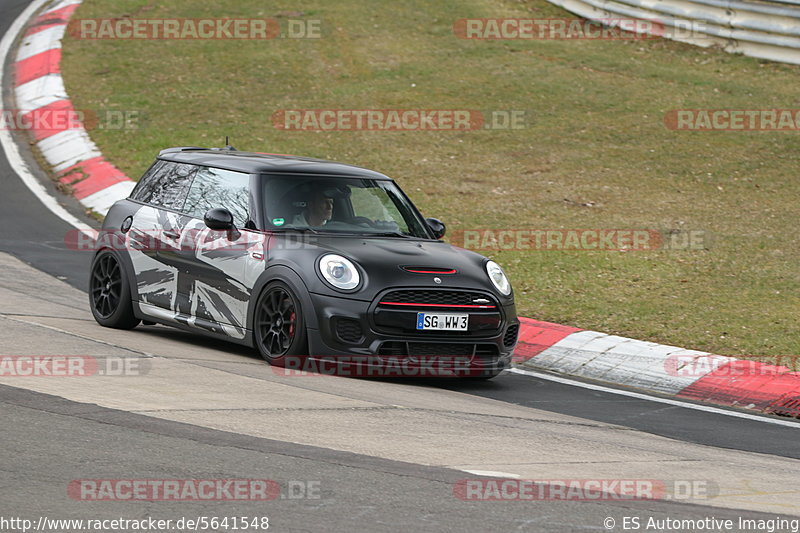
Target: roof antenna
[[227, 145]]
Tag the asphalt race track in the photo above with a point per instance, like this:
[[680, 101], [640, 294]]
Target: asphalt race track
[[377, 455]]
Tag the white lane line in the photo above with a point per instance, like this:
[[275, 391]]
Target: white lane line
[[677, 403], [492, 473], [13, 156]]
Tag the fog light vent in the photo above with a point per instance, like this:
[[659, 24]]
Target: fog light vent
[[511, 335], [349, 330]]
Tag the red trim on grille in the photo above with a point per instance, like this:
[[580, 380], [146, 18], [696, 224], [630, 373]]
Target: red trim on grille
[[451, 271], [440, 305]]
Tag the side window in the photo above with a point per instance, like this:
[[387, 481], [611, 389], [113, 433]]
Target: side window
[[214, 187], [165, 184], [144, 188]]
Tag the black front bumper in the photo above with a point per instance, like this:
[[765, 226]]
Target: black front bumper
[[381, 331]]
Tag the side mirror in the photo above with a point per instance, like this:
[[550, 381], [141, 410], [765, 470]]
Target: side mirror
[[221, 219], [436, 226]]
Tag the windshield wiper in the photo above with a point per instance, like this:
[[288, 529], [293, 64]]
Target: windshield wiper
[[388, 234], [301, 230]]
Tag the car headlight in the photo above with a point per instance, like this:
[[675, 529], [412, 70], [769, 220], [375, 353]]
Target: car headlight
[[498, 277], [341, 273]]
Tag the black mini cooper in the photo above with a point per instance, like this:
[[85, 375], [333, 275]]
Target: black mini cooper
[[301, 258]]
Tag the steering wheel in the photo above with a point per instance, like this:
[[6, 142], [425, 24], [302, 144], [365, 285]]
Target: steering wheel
[[362, 221]]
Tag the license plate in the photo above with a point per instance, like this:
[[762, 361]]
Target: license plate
[[443, 321]]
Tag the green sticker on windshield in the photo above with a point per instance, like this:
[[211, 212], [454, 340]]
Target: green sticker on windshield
[[278, 221]]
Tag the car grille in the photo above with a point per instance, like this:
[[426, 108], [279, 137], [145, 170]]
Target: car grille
[[511, 335], [435, 297], [435, 349], [349, 330]]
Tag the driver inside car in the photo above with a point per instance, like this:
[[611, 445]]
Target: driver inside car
[[318, 211]]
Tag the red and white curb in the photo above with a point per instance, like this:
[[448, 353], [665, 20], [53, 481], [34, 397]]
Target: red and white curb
[[39, 91], [668, 370], [647, 366]]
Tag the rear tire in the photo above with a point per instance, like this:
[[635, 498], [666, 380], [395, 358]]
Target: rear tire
[[279, 327], [109, 293]]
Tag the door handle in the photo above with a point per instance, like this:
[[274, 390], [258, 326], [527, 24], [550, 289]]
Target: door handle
[[172, 234]]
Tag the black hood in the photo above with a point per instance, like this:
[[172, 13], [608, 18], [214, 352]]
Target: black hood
[[384, 262]]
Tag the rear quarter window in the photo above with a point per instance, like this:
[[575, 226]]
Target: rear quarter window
[[165, 185]]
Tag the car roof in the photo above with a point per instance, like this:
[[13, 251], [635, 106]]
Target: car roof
[[264, 163]]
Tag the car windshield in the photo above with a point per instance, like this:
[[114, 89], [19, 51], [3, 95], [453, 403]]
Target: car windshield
[[362, 206]]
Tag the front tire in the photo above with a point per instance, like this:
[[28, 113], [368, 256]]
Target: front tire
[[279, 326], [110, 294]]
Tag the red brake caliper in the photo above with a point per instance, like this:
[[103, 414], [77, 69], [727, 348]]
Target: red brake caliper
[[291, 324]]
